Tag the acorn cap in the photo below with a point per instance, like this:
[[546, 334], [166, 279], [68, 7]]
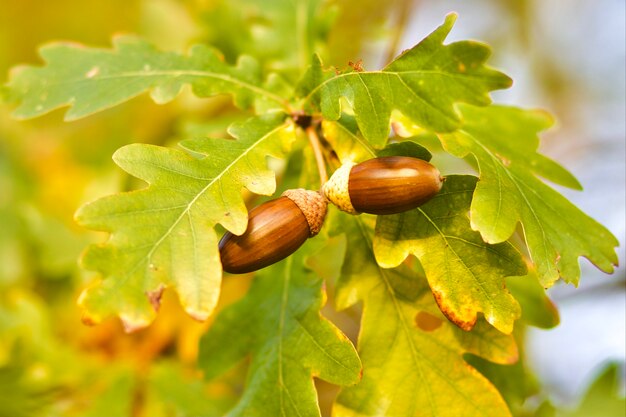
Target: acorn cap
[[313, 206], [336, 188]]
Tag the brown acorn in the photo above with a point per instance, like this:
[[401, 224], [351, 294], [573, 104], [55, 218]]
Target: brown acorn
[[276, 229], [386, 185]]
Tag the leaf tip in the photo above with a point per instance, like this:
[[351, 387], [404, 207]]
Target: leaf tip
[[133, 324], [79, 215], [198, 315], [451, 18], [121, 155]]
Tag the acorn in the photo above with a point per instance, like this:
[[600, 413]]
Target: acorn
[[276, 229], [385, 185]]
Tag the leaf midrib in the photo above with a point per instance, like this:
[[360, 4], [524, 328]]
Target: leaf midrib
[[176, 73], [399, 74], [148, 256]]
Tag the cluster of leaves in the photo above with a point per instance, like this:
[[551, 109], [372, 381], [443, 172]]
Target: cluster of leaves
[[419, 315]]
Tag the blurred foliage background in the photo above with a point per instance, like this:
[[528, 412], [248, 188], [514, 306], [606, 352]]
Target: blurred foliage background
[[567, 57]]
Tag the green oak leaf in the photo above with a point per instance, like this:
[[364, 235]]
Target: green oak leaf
[[172, 390], [537, 308], [350, 146], [412, 356], [93, 79], [603, 397], [279, 324], [162, 236], [504, 141], [280, 33], [423, 83], [465, 274], [515, 382]]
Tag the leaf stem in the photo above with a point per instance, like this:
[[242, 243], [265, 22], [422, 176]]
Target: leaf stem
[[317, 151]]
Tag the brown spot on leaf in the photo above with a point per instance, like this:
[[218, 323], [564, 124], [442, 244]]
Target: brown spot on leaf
[[427, 321], [88, 320], [154, 297], [466, 325]]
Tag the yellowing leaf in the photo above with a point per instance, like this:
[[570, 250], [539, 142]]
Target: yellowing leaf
[[465, 274], [412, 356], [162, 236], [423, 83], [93, 79], [279, 324], [504, 141]]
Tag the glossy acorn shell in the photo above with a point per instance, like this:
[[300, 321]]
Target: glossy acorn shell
[[276, 229], [392, 184]]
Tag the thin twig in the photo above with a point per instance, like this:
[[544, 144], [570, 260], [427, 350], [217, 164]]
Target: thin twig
[[403, 13], [317, 151]]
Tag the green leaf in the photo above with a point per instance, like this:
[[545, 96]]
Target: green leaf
[[20, 396], [115, 391], [504, 141], [280, 33], [279, 324], [173, 392], [412, 356], [346, 142], [423, 83], [162, 236], [537, 309], [465, 274], [515, 382], [93, 79], [602, 398], [406, 148]]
